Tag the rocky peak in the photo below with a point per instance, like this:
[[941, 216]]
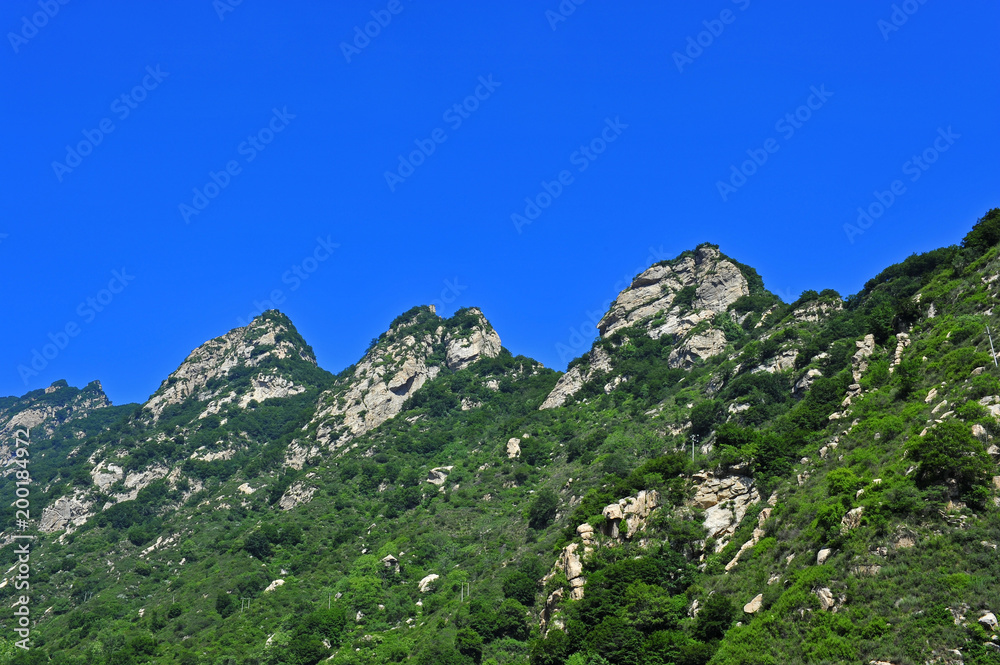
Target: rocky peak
[[269, 337], [50, 407], [417, 347], [672, 297], [681, 298]]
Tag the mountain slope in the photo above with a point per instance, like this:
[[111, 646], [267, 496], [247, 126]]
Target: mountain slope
[[812, 484]]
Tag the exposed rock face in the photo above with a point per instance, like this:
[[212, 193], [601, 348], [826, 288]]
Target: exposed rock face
[[296, 495], [852, 519], [571, 382], [725, 501], [860, 360], [758, 533], [669, 298], [64, 513], [425, 583], [633, 511], [463, 350], [805, 383], [41, 411], [826, 600], [513, 448], [698, 347], [439, 475], [396, 368], [817, 310], [267, 337], [718, 284], [754, 605]]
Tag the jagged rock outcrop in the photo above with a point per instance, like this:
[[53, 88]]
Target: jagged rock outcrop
[[296, 495], [268, 337], [570, 383], [669, 298], [725, 501], [717, 284], [463, 349], [41, 411], [633, 511], [64, 513], [398, 366]]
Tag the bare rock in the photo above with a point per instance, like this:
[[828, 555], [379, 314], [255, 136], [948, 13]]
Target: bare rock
[[823, 555], [439, 475], [754, 605], [852, 519], [425, 584], [482, 342], [725, 501], [296, 495], [64, 513], [826, 599], [513, 448]]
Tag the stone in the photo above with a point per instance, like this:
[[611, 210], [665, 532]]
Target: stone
[[274, 585], [513, 447], [989, 620], [754, 605], [826, 600], [296, 495], [852, 519], [930, 396], [482, 342], [425, 584], [438, 475], [823, 555], [725, 500], [64, 513]]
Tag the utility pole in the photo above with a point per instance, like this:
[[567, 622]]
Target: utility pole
[[991, 347]]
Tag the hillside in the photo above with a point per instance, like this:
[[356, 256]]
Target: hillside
[[722, 478]]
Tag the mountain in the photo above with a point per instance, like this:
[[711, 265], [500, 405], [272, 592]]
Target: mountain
[[722, 478]]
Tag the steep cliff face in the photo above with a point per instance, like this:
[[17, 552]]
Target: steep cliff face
[[415, 349]]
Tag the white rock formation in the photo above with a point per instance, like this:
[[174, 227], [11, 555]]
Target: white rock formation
[[725, 501]]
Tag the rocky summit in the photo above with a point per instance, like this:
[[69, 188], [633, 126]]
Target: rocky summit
[[724, 478]]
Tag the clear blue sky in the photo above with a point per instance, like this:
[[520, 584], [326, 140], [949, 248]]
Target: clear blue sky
[[200, 91]]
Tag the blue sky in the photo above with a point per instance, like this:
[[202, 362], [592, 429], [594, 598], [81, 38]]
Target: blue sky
[[216, 154]]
